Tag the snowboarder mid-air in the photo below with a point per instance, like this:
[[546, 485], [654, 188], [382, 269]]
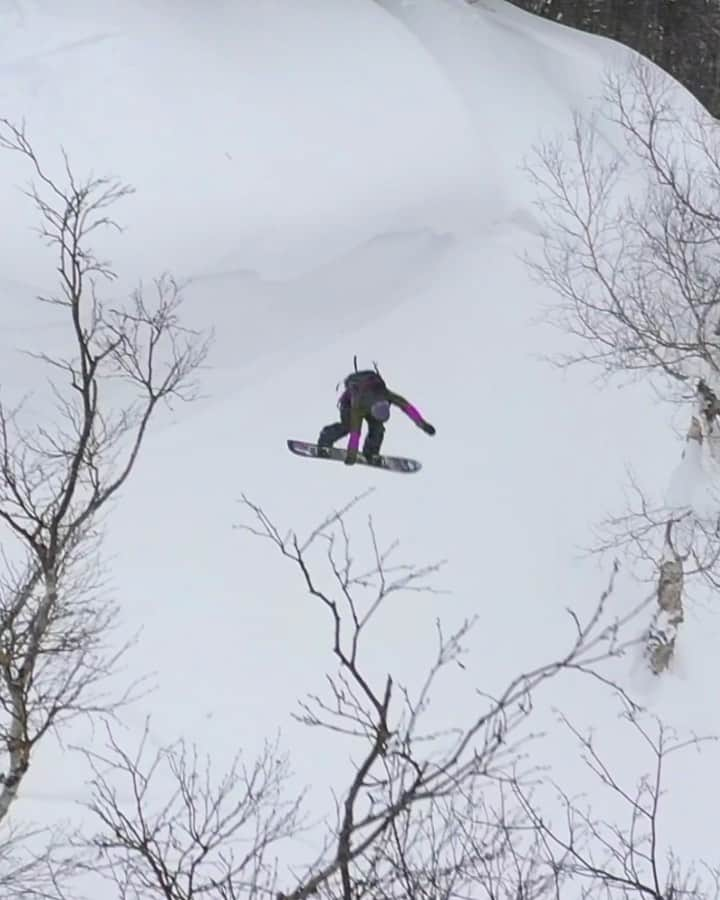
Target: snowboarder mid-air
[[367, 398]]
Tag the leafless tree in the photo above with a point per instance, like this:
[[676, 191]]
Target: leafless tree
[[168, 828], [630, 248], [626, 859], [407, 776], [62, 463], [426, 812], [477, 843], [36, 864]]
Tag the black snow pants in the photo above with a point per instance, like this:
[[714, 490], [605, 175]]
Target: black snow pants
[[337, 430]]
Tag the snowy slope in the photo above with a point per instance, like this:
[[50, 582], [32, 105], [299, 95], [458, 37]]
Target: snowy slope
[[337, 179]]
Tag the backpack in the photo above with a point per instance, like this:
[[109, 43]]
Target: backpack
[[366, 381]]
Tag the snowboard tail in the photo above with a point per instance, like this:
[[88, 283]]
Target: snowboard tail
[[391, 463]]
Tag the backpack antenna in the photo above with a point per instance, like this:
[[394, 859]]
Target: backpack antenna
[[355, 362]]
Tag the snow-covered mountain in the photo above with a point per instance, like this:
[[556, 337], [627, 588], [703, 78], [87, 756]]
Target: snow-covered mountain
[[335, 179]]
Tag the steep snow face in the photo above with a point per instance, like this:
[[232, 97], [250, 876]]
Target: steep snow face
[[246, 128], [337, 179]]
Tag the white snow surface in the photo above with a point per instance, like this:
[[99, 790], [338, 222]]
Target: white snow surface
[[338, 179]]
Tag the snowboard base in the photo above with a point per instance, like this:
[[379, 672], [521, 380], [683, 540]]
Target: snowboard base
[[391, 463]]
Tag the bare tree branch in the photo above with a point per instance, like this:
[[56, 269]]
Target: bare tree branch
[[205, 837], [60, 469], [400, 768], [621, 861], [630, 249]]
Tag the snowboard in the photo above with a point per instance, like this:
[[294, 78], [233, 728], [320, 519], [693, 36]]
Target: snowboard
[[391, 463]]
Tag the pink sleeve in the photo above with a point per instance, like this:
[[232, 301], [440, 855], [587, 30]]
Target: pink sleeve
[[413, 413]]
